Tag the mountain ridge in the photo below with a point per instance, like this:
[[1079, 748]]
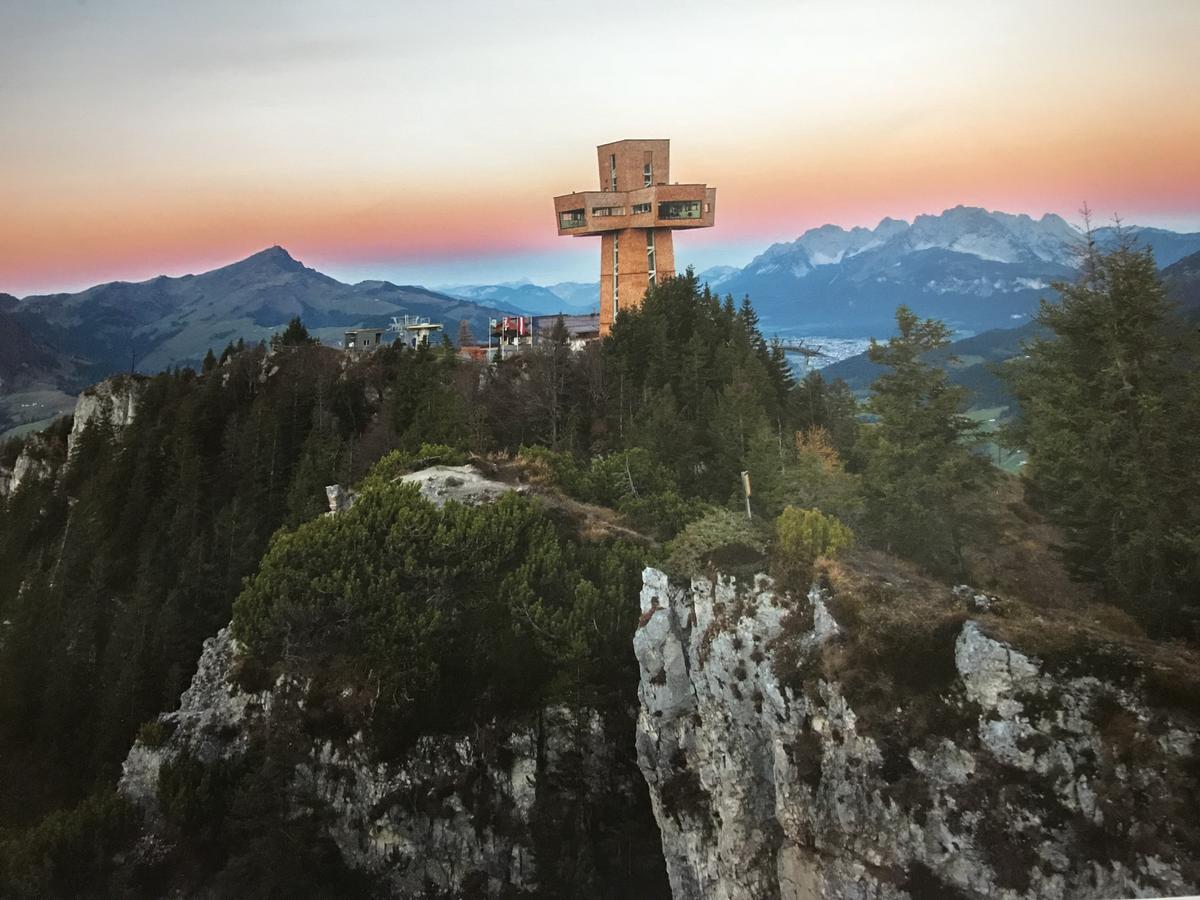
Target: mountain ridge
[[976, 269], [172, 320]]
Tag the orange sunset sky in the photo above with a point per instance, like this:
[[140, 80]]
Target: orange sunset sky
[[422, 141]]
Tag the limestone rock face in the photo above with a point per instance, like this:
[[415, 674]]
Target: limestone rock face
[[113, 401], [761, 791], [456, 813], [30, 465], [464, 484]]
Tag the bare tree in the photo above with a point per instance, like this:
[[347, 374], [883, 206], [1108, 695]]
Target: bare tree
[[465, 337]]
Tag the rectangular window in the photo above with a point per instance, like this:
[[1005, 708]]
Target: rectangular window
[[639, 208], [616, 293], [612, 171], [648, 175], [572, 218], [650, 268], [679, 209], [608, 210]]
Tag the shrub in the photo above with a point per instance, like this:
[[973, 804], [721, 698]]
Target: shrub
[[401, 462], [722, 539], [556, 466], [443, 612], [155, 732], [629, 481], [801, 536], [70, 852]]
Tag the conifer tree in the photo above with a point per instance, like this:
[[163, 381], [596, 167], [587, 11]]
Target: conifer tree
[[921, 482], [1110, 417]]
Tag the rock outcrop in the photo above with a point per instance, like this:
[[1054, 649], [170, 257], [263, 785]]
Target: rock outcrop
[[113, 402], [462, 484], [766, 783], [458, 814], [30, 465], [475, 814]]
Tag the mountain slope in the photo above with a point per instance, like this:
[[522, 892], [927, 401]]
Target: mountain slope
[[1169, 246], [171, 321], [526, 298], [23, 358], [1183, 283], [977, 354]]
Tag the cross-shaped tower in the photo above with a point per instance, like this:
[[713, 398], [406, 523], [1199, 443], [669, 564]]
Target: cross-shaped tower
[[634, 213]]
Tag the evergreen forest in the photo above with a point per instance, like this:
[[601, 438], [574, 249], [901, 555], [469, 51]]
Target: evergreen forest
[[208, 509]]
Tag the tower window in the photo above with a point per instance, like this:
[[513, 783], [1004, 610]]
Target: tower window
[[572, 218], [648, 175], [616, 293], [641, 208], [679, 209], [612, 171], [650, 268]]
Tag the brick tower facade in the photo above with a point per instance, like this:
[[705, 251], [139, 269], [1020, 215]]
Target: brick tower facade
[[634, 213]]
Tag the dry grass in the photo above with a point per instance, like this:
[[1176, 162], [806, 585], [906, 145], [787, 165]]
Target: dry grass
[[589, 521], [1019, 559], [901, 623]]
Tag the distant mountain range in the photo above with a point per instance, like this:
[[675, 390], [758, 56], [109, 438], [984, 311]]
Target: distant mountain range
[[975, 269], [976, 355], [527, 298], [972, 268]]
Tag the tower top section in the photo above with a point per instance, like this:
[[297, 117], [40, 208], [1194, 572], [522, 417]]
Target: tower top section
[[635, 192], [627, 165]]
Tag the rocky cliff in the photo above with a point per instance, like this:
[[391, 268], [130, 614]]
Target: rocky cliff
[[459, 815], [1012, 781], [113, 403], [861, 741], [517, 806]]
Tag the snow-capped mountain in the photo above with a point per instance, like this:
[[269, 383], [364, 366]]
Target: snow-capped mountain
[[973, 268]]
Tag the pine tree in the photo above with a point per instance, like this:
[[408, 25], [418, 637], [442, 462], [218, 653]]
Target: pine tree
[[921, 482], [295, 335], [749, 320], [1110, 420]]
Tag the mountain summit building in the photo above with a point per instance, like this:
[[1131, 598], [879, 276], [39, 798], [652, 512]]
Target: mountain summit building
[[634, 213]]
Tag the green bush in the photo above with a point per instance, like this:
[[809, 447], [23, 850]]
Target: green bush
[[401, 462], [559, 467], [801, 536], [443, 613], [629, 481], [155, 732], [721, 539], [70, 852]]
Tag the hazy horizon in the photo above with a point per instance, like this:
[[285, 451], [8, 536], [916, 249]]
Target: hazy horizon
[[423, 142]]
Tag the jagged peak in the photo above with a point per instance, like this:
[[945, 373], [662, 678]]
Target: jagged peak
[[274, 255]]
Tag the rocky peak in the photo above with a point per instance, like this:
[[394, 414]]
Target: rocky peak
[[767, 782], [273, 257], [112, 403]]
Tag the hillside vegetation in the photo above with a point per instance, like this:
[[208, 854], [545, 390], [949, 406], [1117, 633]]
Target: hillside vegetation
[[115, 567]]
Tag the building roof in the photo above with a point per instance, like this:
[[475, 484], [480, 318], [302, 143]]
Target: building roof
[[576, 325]]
